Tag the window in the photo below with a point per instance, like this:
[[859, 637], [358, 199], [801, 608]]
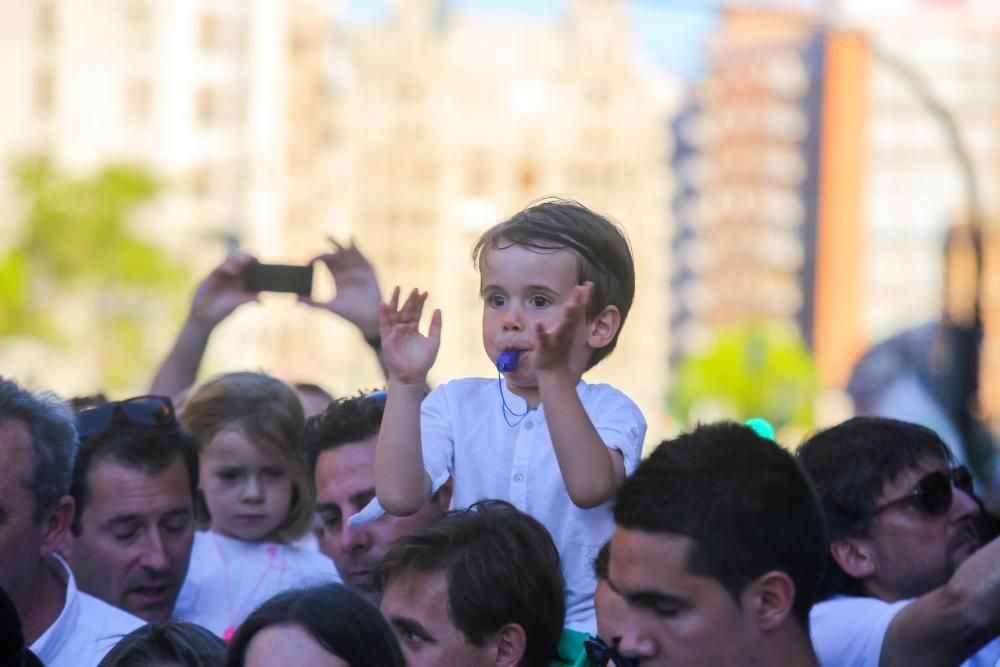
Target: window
[[137, 102], [208, 31], [45, 91], [47, 21], [206, 106]]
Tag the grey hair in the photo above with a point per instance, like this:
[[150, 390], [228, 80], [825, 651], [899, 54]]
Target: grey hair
[[52, 428]]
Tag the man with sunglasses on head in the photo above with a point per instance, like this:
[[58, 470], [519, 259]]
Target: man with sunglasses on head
[[905, 584], [64, 626], [134, 485]]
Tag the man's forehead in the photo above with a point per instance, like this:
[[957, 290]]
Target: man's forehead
[[15, 450], [348, 461], [117, 482]]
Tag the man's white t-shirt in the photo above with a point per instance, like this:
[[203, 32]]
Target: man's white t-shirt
[[465, 435], [849, 631], [229, 578], [85, 630]]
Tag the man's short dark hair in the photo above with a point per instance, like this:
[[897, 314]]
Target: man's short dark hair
[[146, 449], [345, 420], [50, 425], [501, 567], [602, 250], [850, 464], [743, 502]]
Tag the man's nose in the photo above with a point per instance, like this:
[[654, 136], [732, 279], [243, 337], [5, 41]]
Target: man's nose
[[963, 506], [356, 538], [635, 642], [155, 556]]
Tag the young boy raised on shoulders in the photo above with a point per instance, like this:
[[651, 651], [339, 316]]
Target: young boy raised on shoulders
[[557, 282]]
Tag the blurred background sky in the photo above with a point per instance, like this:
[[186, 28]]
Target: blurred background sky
[[810, 188]]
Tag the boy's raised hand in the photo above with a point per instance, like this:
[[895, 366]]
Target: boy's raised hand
[[408, 354], [556, 340]]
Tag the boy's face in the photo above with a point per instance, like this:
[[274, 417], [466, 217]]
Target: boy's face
[[520, 289]]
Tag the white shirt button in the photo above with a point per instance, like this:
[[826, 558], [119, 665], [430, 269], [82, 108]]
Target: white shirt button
[[518, 477], [529, 425]]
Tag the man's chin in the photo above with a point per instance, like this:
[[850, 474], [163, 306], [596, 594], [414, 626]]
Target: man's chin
[[152, 604]]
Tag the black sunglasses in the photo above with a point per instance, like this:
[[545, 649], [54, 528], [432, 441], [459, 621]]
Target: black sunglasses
[[600, 654], [933, 493], [142, 410]]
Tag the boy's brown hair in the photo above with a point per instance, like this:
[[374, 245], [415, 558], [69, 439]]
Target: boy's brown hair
[[602, 249]]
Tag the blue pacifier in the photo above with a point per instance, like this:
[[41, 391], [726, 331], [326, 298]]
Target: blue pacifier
[[507, 361]]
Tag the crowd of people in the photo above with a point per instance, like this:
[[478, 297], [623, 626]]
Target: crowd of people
[[244, 521]]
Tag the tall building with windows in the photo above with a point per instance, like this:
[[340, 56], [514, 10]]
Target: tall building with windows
[[228, 103], [456, 121], [277, 123], [748, 169]]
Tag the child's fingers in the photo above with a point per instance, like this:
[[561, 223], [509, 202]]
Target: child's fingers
[[434, 332], [393, 304]]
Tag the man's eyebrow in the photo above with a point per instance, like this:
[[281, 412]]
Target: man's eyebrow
[[124, 518], [326, 507], [650, 597], [408, 625], [362, 497]]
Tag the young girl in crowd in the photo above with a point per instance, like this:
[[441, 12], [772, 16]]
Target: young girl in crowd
[[254, 498]]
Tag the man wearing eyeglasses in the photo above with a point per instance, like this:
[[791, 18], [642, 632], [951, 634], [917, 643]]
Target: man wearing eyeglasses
[[905, 584], [64, 626], [134, 484]]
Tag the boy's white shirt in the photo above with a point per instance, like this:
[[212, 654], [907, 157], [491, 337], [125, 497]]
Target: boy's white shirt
[[464, 435]]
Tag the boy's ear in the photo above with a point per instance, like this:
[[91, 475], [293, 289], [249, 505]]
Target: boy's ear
[[854, 556], [603, 327], [770, 598]]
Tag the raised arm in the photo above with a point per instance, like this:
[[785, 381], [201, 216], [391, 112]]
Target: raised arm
[[951, 623], [218, 295], [357, 296], [592, 472], [401, 484]]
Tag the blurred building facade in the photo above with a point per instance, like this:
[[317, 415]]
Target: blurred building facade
[[275, 124], [456, 121], [226, 102], [891, 81], [748, 165]]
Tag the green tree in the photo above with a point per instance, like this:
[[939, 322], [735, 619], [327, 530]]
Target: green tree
[[752, 371], [77, 275]]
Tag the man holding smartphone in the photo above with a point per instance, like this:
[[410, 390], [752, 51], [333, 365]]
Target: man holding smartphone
[[226, 288]]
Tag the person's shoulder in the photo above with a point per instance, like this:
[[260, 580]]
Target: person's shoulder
[[307, 559], [602, 390], [848, 631], [461, 391], [104, 618], [601, 399]]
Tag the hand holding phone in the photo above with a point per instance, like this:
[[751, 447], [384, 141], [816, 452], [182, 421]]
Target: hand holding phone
[[279, 278]]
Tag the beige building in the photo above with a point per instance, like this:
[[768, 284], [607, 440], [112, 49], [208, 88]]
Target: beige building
[[454, 122], [226, 101], [276, 124]]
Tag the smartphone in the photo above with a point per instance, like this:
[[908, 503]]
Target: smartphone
[[279, 278]]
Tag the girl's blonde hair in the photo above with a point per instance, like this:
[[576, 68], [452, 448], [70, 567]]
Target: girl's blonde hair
[[269, 414]]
